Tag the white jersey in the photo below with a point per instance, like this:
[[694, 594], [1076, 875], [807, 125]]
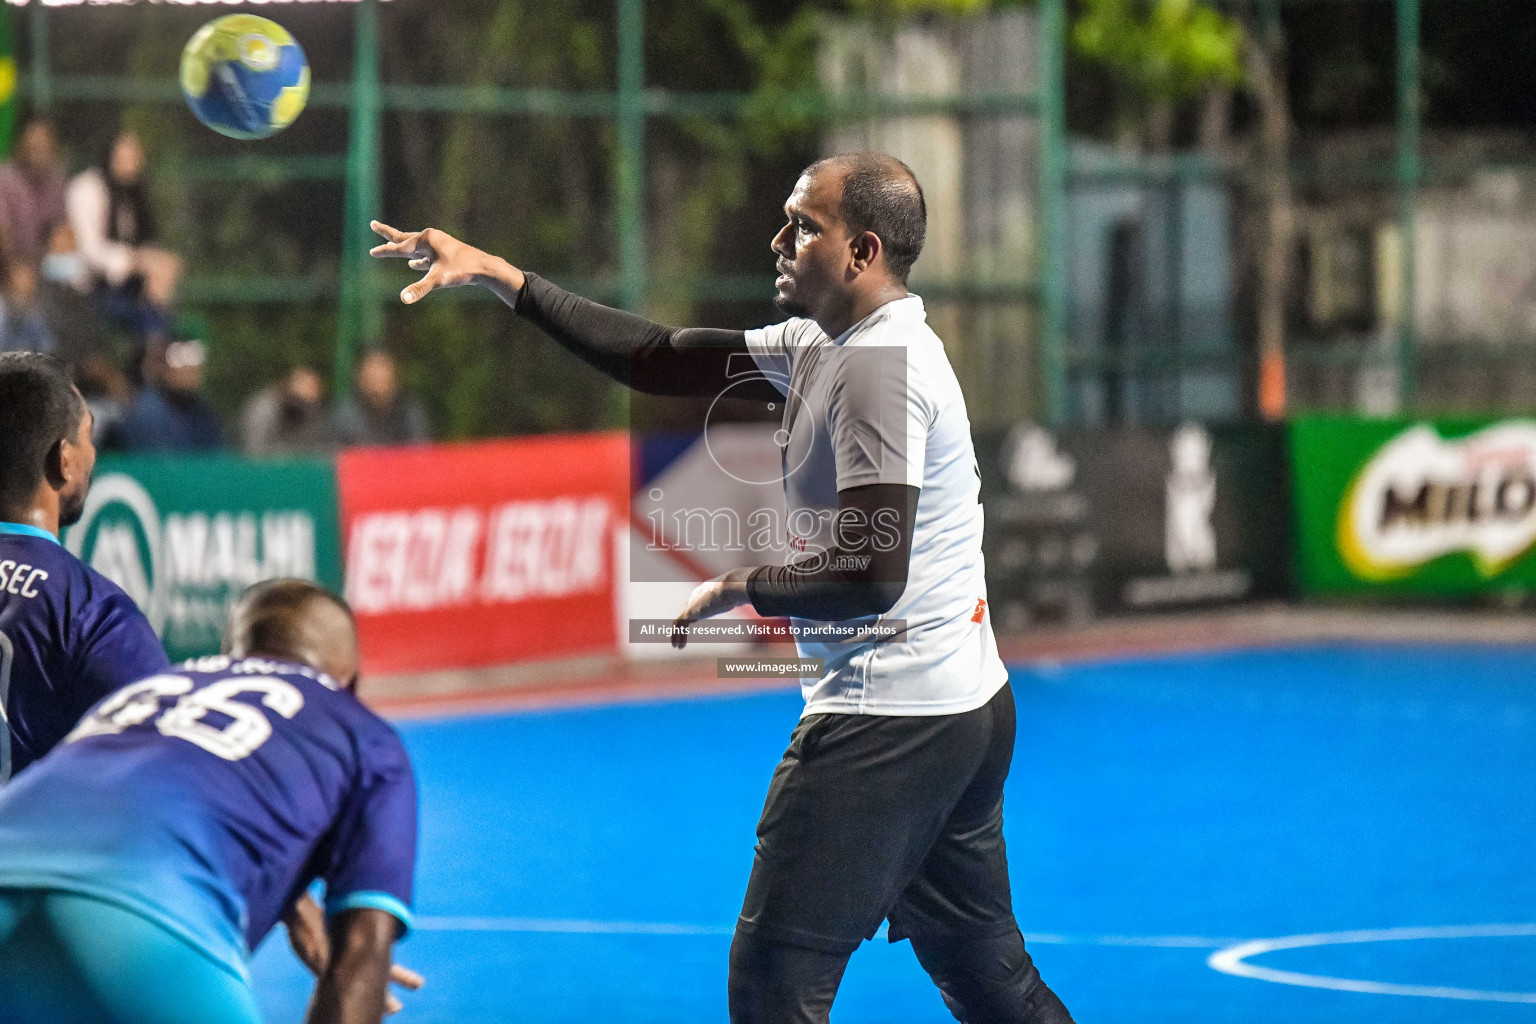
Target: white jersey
[[880, 404]]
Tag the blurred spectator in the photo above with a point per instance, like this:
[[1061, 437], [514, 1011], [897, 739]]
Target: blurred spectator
[[23, 328], [106, 391], [63, 288], [379, 413], [134, 280], [31, 198], [289, 418], [170, 415]]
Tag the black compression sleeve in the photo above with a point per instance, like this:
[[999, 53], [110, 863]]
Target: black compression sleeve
[[658, 360], [865, 574]]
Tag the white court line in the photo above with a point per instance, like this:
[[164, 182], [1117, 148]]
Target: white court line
[[1233, 960], [1154, 941], [575, 926], [565, 925]]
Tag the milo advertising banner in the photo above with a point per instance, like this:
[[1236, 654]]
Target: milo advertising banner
[[184, 536], [1446, 507]]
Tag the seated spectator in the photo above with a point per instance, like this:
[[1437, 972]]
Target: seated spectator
[[289, 418], [134, 280], [31, 198], [106, 391], [64, 298], [169, 415], [23, 328], [379, 413]]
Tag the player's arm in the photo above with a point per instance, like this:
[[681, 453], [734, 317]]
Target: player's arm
[[353, 987], [877, 419], [864, 574], [367, 867], [647, 356], [307, 934]]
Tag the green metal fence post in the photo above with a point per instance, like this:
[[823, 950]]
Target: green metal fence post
[[1269, 19], [1053, 235], [629, 175], [359, 317], [1408, 169], [42, 84]]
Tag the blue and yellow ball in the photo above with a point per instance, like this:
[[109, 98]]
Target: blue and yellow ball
[[244, 76]]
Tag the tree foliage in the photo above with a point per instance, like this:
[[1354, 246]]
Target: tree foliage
[[538, 189], [901, 7], [1168, 50]]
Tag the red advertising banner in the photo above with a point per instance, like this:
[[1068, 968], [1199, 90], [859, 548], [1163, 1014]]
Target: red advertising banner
[[460, 556]]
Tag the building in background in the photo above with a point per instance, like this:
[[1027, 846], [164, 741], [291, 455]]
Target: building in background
[[980, 177]]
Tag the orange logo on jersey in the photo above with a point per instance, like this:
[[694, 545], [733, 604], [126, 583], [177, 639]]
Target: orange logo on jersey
[[981, 610]]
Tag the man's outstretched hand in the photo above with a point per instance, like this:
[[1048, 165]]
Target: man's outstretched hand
[[312, 945], [711, 598], [445, 262]]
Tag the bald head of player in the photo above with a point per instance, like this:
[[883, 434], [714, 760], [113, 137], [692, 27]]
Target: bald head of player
[[298, 621], [47, 457], [855, 224]]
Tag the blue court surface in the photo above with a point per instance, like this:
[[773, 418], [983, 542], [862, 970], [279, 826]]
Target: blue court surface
[[1369, 811]]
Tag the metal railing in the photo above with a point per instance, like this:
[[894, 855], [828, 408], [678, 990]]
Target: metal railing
[[629, 105]]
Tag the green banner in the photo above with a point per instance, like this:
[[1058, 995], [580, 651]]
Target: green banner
[[1415, 507], [184, 536]]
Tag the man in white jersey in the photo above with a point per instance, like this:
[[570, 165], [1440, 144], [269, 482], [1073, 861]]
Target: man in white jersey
[[887, 806]]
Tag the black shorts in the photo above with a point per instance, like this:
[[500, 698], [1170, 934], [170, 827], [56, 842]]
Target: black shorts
[[874, 817]]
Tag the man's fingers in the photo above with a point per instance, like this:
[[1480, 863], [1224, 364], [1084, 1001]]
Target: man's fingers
[[406, 248], [405, 977], [421, 289], [399, 244], [385, 231], [421, 263]]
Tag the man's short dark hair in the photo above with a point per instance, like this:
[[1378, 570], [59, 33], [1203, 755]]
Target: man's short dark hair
[[881, 194], [270, 617], [269, 604], [39, 407]]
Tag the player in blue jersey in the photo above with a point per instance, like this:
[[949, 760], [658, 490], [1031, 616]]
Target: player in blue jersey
[[142, 860], [68, 635]]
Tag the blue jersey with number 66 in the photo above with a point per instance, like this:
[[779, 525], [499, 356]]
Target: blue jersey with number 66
[[208, 798]]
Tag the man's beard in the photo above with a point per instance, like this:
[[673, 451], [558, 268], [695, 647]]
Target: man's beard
[[72, 507], [789, 307]]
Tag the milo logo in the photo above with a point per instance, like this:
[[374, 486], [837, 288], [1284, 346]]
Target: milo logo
[[1421, 496], [185, 569]]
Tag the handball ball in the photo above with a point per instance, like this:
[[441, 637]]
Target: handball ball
[[244, 76]]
